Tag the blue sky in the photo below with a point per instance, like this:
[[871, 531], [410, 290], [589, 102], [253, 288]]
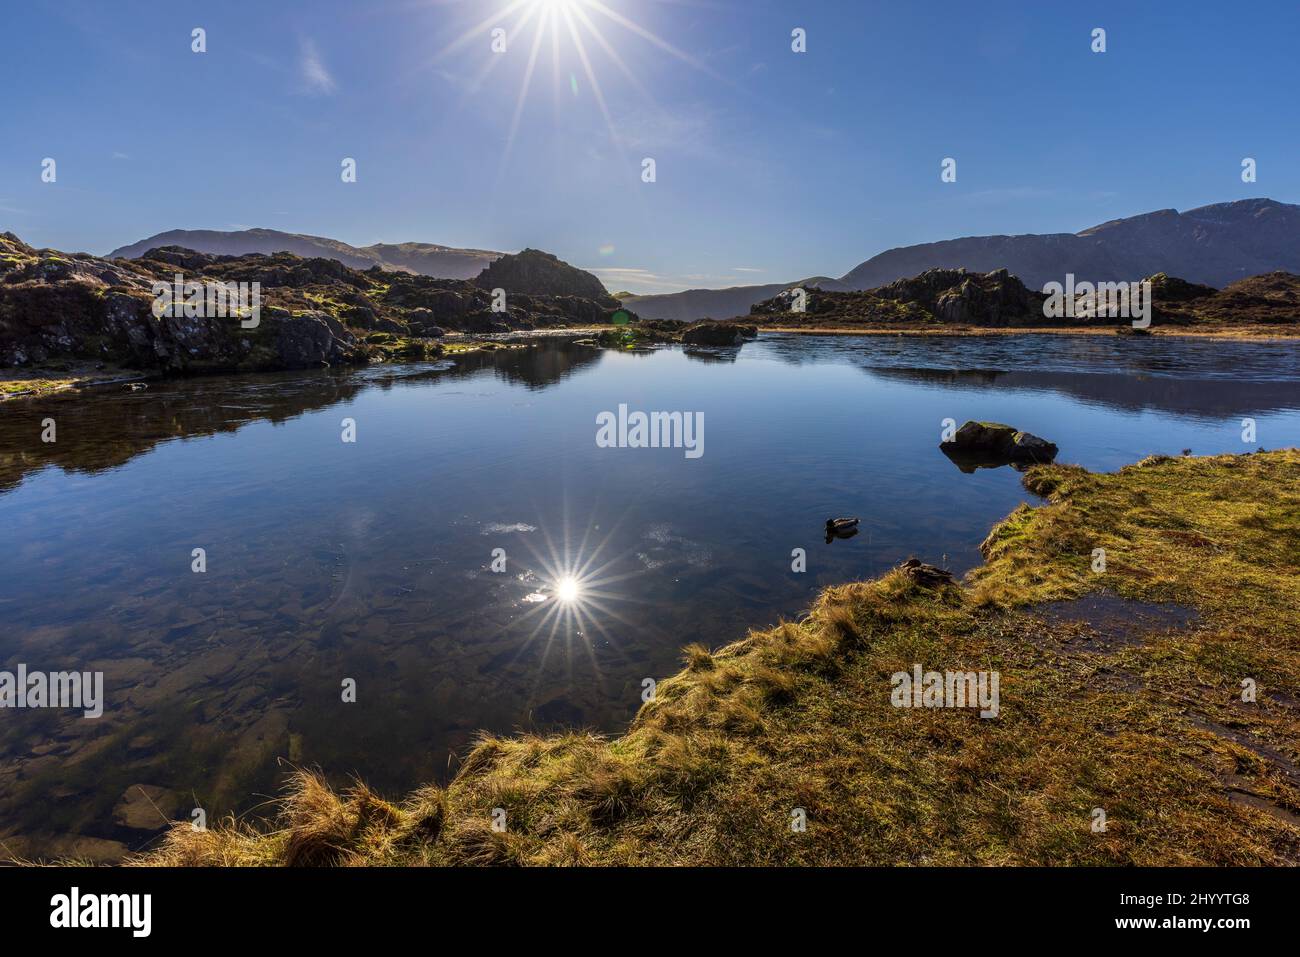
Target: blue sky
[[771, 165]]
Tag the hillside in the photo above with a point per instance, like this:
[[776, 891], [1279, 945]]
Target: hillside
[[695, 304], [1273, 298], [57, 308], [425, 259], [1141, 715], [955, 298], [1213, 245]]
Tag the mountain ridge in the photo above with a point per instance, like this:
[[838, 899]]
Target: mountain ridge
[[425, 259], [1214, 245]]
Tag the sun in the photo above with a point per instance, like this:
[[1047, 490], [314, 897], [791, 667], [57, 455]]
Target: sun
[[575, 33], [566, 589], [583, 594]]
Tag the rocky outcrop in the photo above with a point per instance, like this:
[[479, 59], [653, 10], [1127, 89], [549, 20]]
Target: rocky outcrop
[[1170, 289], [954, 297], [957, 297], [57, 307], [535, 273], [935, 297], [990, 444], [1269, 299]]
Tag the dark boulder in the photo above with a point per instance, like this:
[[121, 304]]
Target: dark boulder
[[991, 444], [709, 333]]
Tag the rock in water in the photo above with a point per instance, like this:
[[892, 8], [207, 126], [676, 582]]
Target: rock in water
[[992, 443], [710, 333], [146, 807]]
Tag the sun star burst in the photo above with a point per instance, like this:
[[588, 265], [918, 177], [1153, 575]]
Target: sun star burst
[[573, 31]]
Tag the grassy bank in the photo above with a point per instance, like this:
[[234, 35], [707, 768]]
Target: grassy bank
[[382, 347], [1144, 721], [27, 383]]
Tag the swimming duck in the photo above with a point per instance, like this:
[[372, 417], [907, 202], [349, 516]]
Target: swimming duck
[[841, 526]]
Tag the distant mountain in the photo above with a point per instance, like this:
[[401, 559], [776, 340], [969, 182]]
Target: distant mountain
[[696, 304], [424, 259], [1214, 245]]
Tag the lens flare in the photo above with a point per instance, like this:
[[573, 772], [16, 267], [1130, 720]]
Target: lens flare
[[575, 30]]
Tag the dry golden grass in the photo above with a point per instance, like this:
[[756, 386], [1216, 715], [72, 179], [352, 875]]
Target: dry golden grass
[[1153, 732]]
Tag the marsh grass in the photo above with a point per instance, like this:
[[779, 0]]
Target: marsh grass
[[799, 716]]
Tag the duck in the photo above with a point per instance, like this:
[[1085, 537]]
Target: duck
[[841, 526]]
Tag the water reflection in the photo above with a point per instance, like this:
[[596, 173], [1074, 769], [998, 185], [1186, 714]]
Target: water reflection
[[376, 562], [108, 426], [1201, 398], [1185, 357], [535, 368]]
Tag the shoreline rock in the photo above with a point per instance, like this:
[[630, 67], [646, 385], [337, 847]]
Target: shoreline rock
[[992, 444]]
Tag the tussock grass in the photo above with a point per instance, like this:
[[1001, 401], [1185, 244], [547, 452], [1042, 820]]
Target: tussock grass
[[799, 716]]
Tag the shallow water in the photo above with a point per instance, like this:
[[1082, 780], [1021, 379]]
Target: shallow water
[[372, 560]]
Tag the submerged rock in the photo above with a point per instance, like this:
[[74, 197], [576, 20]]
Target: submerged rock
[[145, 807], [990, 444], [710, 333]]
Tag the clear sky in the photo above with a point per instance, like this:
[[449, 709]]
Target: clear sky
[[771, 165]]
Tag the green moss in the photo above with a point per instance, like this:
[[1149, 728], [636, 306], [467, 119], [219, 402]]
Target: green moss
[[16, 387], [403, 349]]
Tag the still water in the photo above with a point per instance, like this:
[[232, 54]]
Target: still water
[[374, 560]]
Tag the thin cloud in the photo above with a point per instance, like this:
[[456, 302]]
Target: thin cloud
[[311, 69], [626, 276], [646, 282]]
